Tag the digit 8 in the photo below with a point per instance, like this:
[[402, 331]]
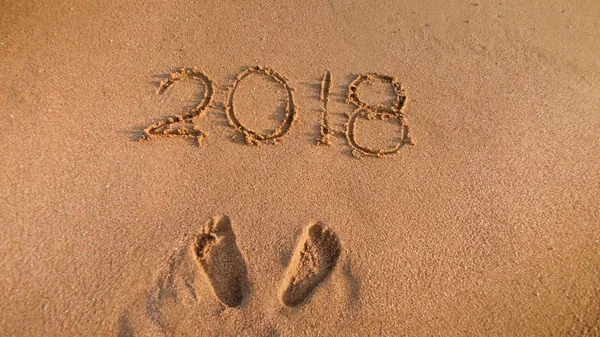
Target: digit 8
[[369, 111]]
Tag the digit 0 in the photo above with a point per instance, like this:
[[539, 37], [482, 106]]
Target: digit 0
[[254, 137]]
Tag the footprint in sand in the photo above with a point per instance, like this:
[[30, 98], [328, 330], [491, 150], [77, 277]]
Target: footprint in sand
[[314, 259], [216, 251]]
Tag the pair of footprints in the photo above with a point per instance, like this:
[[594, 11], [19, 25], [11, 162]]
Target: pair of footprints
[[217, 253]]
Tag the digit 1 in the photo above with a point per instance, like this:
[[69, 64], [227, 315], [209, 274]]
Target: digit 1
[[326, 132]]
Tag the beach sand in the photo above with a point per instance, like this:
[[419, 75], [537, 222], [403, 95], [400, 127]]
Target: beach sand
[[482, 220]]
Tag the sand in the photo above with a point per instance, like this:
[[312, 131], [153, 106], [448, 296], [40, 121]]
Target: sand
[[458, 196]]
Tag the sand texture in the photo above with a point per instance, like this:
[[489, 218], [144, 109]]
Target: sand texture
[[293, 168]]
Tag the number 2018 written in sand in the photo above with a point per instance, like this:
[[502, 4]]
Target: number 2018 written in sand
[[363, 110]]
